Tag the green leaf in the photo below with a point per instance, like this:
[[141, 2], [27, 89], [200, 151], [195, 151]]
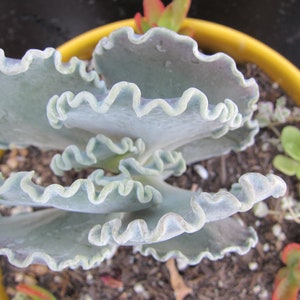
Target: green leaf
[[286, 165], [290, 139], [153, 9], [174, 14], [291, 254], [285, 291]]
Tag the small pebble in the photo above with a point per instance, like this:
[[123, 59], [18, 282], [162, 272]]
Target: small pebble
[[266, 247], [181, 264], [276, 229], [201, 171], [253, 266], [57, 279], [264, 295], [257, 223], [139, 289], [89, 278], [256, 289]]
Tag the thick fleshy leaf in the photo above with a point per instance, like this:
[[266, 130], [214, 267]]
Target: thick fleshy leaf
[[101, 194], [236, 140], [164, 65], [162, 124], [153, 10], [291, 254], [116, 194], [26, 86], [174, 14], [100, 152], [285, 290], [286, 164], [56, 238], [141, 23], [290, 139], [213, 241]]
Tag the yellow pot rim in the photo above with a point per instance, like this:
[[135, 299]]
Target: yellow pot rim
[[209, 35]]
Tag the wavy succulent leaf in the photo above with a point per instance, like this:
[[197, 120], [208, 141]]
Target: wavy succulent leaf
[[125, 192], [125, 56], [185, 120], [116, 194], [182, 211], [29, 84], [236, 140], [100, 152], [56, 238], [213, 241]]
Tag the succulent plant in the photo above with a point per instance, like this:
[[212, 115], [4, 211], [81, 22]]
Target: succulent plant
[[289, 164], [158, 105], [156, 14]]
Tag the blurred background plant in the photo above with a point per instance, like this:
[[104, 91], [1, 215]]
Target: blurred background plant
[[289, 163], [157, 14], [287, 281]]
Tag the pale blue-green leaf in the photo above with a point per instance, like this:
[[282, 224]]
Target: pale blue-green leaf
[[164, 64], [27, 85], [162, 124], [100, 152], [84, 195], [101, 194], [213, 241], [56, 238], [182, 211], [236, 140]]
